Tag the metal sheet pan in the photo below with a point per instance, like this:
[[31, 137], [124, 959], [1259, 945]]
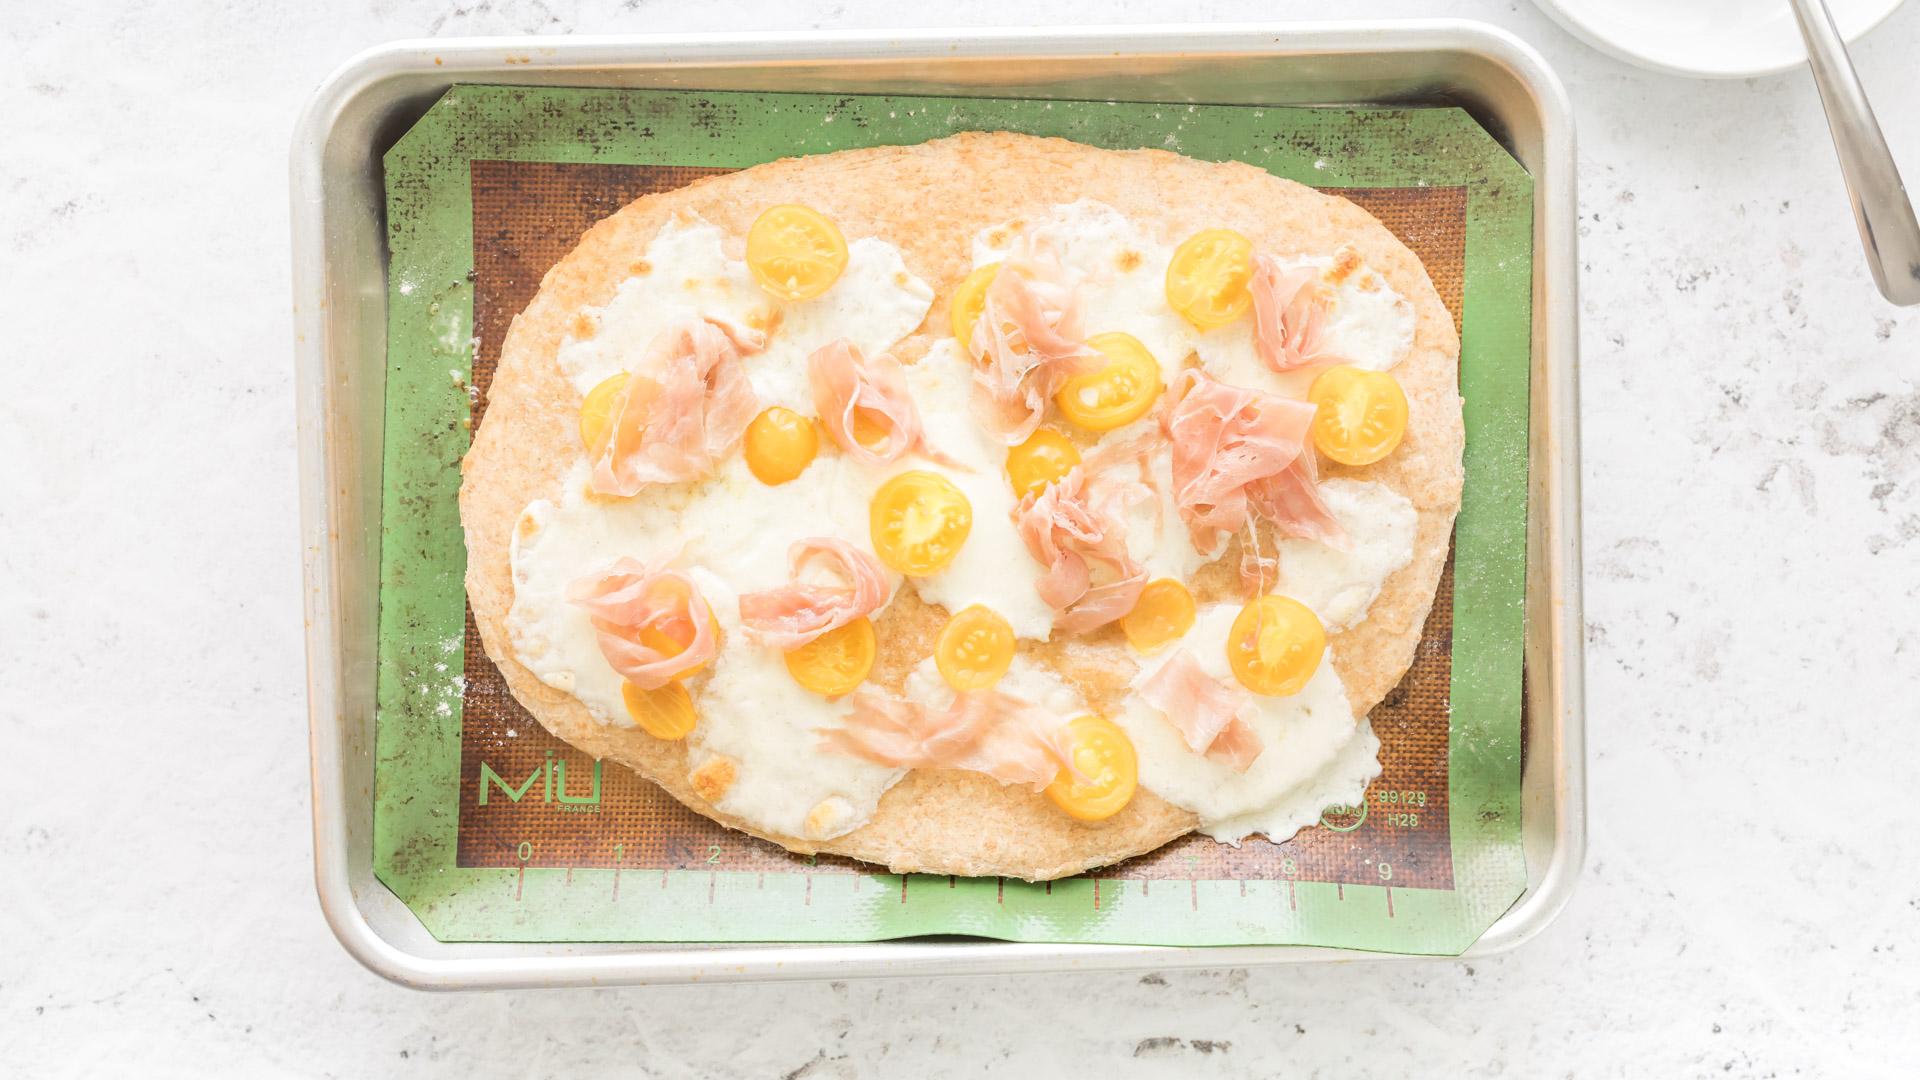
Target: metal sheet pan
[[340, 319]]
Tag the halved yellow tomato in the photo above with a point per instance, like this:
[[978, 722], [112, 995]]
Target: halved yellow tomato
[[1103, 753], [780, 444], [1207, 278], [1120, 392], [969, 300], [1275, 645], [836, 661], [918, 520], [1046, 456], [974, 649], [596, 412], [1360, 416], [666, 713], [795, 252], [1164, 612]]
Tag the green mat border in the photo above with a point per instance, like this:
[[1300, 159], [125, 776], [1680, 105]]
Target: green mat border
[[422, 556]]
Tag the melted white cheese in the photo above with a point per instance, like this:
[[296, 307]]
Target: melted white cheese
[[1122, 270], [874, 304], [684, 275], [1156, 537], [1228, 355], [1341, 585], [993, 567], [752, 711], [1369, 324], [1315, 754], [555, 545], [731, 526], [733, 532], [1024, 679]]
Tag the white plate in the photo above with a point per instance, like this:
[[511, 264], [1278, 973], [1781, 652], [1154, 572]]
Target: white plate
[[1716, 39]]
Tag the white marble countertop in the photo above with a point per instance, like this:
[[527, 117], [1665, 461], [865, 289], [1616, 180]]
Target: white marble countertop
[[1751, 905]]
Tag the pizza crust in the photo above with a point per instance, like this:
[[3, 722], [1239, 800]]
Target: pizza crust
[[950, 822]]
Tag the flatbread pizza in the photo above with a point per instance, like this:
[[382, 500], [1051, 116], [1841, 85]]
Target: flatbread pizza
[[991, 506]]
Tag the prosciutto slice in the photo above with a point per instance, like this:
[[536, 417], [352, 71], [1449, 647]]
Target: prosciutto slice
[[1289, 315], [630, 602], [1239, 452], [800, 611], [1073, 529], [1028, 342], [1291, 500], [984, 731], [684, 405], [1204, 710], [849, 388]]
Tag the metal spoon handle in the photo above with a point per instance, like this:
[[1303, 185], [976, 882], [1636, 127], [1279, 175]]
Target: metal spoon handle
[[1881, 208]]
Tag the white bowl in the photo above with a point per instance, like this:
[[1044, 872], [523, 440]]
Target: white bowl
[[1716, 39]]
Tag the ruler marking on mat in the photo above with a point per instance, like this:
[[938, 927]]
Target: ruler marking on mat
[[1105, 895]]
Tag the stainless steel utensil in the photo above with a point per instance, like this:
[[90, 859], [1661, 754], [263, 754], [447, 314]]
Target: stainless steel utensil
[[1881, 207]]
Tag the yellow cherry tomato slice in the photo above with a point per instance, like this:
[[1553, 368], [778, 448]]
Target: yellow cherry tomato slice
[[780, 444], [596, 412], [795, 253], [1118, 393], [1046, 456], [1275, 645], [666, 713], [1104, 754], [969, 300], [836, 661], [974, 649], [1207, 278], [1360, 416], [1164, 612], [918, 520]]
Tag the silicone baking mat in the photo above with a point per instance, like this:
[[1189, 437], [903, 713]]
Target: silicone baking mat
[[491, 829]]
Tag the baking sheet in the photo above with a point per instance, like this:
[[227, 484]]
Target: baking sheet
[[496, 183]]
